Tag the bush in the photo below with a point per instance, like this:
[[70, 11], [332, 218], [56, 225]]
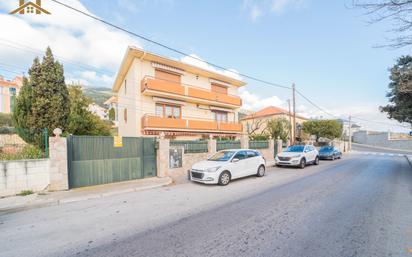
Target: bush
[[261, 137], [5, 120], [7, 130], [25, 193], [28, 152]]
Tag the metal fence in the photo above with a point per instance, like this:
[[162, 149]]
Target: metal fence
[[94, 160], [191, 146], [229, 144], [258, 144]]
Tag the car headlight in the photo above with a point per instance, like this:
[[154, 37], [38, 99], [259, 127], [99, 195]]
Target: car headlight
[[214, 169], [295, 156]]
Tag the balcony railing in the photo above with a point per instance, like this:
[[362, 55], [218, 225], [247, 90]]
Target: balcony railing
[[179, 89], [160, 123]]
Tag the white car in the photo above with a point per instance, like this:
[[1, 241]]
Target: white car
[[226, 165], [298, 155]]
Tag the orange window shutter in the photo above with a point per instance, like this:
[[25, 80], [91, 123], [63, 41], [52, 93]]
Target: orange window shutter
[[219, 89], [163, 75]]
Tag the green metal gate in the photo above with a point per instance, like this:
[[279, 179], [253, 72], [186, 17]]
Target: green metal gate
[[94, 160]]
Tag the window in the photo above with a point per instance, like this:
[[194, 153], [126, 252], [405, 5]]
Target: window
[[125, 115], [219, 116], [163, 75], [241, 155], [251, 154], [168, 111], [125, 86], [219, 89]]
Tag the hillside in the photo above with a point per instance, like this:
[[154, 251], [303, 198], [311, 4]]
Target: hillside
[[98, 94]]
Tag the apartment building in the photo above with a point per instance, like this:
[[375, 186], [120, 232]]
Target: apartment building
[[9, 89], [156, 94]]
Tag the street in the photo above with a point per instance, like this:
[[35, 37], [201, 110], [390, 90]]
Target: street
[[357, 206]]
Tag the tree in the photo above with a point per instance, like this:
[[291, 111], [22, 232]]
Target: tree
[[278, 128], [43, 101], [397, 11], [400, 91], [330, 129], [82, 121], [112, 114]]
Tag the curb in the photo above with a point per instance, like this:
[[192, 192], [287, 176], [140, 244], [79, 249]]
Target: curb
[[80, 198]]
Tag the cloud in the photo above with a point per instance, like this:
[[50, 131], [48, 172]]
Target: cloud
[[71, 36], [259, 8], [254, 102], [195, 60]]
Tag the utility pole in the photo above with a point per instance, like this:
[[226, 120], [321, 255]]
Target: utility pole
[[350, 134], [294, 112], [290, 124]]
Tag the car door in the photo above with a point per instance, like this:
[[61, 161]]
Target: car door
[[252, 163], [311, 153], [239, 168]]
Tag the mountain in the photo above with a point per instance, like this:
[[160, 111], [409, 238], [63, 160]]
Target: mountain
[[98, 94]]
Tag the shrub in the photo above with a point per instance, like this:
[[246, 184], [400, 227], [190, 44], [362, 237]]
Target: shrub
[[28, 152], [25, 192], [7, 130]]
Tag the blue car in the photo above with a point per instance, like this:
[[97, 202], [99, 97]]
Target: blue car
[[329, 153]]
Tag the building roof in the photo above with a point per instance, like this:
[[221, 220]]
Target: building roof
[[270, 111], [111, 100], [134, 52], [17, 82]]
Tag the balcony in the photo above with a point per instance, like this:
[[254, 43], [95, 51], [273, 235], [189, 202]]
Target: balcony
[[150, 122], [158, 87]]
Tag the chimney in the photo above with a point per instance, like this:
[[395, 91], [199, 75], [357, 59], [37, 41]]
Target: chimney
[[21, 2], [38, 2]]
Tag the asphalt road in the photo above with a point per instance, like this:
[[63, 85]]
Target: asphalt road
[[362, 207], [358, 206]]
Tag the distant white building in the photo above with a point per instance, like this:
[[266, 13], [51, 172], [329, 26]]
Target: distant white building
[[101, 112], [345, 128]]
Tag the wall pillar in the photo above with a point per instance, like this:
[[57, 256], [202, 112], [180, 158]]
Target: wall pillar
[[58, 170], [163, 156], [272, 148], [244, 141], [211, 145], [279, 143]]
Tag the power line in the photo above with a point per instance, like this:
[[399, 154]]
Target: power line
[[168, 47]]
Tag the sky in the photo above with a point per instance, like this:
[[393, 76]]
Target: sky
[[325, 47]]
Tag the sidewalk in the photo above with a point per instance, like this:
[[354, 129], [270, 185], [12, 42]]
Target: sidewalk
[[17, 203]]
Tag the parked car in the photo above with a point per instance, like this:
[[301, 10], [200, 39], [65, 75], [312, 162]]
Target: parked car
[[298, 155], [329, 153], [227, 165]]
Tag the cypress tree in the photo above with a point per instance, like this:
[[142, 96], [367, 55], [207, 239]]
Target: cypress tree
[[43, 101]]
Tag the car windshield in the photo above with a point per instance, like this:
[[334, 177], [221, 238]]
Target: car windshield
[[295, 148], [222, 156], [326, 149]]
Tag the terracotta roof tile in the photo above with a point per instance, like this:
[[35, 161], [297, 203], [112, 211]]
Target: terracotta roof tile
[[268, 111]]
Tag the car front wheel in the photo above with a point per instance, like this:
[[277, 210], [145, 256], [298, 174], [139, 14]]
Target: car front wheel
[[224, 178], [261, 171], [302, 163], [316, 161]]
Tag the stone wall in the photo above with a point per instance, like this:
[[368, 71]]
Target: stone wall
[[36, 175], [17, 176], [381, 139]]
